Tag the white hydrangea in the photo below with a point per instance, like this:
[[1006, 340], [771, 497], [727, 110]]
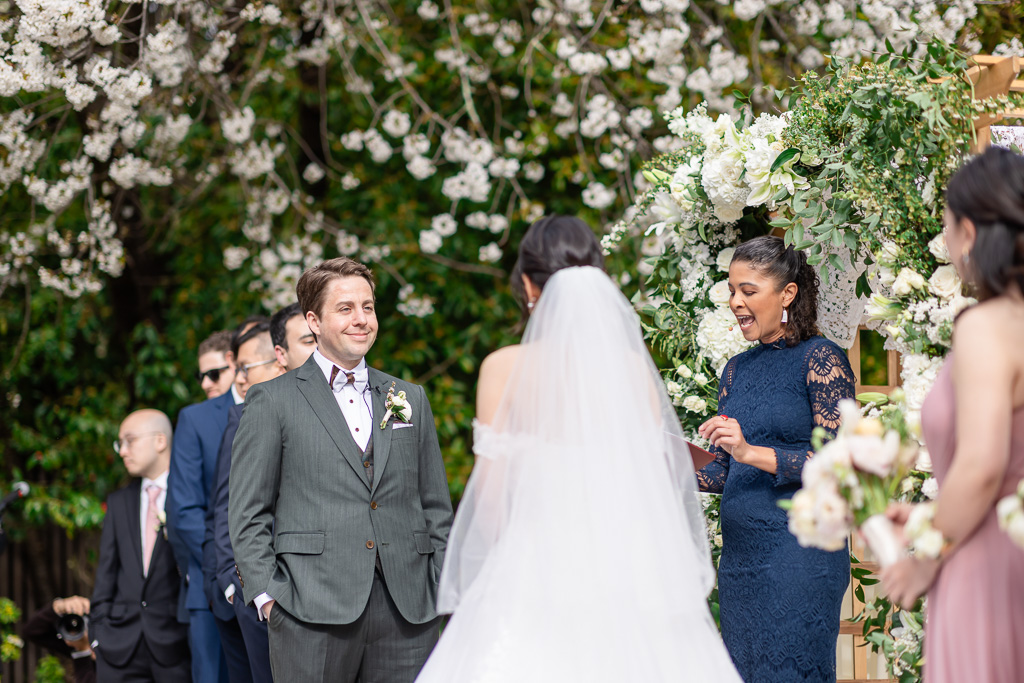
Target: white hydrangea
[[719, 337]]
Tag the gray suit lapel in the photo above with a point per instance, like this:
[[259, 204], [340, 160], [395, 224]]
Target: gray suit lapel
[[313, 386], [381, 437]]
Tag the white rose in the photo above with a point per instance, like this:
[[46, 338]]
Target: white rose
[[939, 249], [701, 379], [889, 253], [724, 259], [874, 454], [684, 371], [945, 282], [930, 488], [719, 293], [1007, 508], [695, 404], [960, 302], [929, 543], [886, 276], [907, 281], [1015, 529]]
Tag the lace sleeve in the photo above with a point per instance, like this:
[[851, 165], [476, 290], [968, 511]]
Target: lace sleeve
[[829, 380], [711, 477]]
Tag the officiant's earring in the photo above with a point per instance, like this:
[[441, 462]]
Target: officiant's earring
[[785, 316]]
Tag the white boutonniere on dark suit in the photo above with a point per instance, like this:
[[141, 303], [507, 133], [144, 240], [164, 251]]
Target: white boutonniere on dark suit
[[161, 528], [397, 406]]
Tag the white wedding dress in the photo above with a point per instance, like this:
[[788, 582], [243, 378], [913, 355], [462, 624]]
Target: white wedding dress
[[578, 552]]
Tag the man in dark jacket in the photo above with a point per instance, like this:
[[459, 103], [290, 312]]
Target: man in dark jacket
[[134, 621]]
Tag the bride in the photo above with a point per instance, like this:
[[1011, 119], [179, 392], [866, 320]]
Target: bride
[[578, 552]]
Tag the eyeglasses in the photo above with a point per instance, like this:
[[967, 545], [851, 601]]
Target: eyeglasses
[[213, 374], [243, 370], [127, 441]]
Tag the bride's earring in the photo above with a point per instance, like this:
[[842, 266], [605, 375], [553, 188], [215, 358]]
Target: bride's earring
[[966, 253], [785, 316], [530, 305]]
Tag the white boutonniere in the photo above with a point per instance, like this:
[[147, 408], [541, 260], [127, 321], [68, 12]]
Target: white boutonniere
[[161, 517], [397, 405]]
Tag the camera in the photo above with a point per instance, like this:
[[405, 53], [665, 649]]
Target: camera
[[72, 627]]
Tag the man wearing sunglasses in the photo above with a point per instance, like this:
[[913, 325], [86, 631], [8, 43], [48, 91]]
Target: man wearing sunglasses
[[193, 461], [216, 364]]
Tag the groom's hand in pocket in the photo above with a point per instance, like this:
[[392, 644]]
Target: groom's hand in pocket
[[267, 609]]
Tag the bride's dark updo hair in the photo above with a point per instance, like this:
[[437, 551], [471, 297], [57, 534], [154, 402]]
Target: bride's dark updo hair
[[989, 191], [553, 243], [770, 256]]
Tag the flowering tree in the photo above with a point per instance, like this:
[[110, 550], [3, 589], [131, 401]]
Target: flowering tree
[[167, 166]]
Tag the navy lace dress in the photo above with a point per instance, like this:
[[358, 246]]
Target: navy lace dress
[[779, 602]]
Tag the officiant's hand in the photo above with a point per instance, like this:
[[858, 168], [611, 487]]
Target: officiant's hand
[[725, 433]]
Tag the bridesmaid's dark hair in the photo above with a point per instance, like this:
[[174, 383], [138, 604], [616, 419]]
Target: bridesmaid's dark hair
[[989, 191], [553, 243], [771, 256]]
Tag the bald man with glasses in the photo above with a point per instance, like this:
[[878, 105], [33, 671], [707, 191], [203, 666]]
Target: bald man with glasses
[[137, 636]]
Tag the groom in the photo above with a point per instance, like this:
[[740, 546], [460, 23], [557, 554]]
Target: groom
[[340, 509]]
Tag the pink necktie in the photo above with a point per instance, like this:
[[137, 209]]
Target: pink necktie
[[152, 522]]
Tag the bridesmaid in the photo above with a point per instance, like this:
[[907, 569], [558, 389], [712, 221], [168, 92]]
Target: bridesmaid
[[780, 603], [975, 621]]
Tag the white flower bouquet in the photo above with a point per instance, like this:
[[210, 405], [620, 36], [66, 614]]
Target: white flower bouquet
[[851, 479], [1010, 511]]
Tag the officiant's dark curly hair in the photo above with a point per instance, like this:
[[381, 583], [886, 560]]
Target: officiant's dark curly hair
[[553, 243]]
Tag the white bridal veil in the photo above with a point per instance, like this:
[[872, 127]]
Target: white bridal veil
[[579, 552]]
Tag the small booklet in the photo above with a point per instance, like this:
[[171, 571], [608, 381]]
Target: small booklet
[[699, 456]]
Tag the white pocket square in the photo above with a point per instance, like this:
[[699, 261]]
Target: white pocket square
[[402, 425]]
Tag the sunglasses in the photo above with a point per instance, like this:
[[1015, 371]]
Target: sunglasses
[[213, 374]]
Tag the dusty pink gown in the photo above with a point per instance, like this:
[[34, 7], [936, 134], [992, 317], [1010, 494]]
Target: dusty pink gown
[[975, 623]]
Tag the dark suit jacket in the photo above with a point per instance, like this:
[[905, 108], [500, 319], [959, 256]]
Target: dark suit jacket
[[224, 568], [193, 459], [306, 524], [127, 604]]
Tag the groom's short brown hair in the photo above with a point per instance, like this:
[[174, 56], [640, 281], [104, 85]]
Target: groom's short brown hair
[[312, 286]]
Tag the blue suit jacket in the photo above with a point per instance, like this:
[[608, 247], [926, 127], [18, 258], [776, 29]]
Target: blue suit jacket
[[193, 460], [224, 571]]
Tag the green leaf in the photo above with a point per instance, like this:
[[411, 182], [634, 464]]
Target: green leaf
[[784, 156]]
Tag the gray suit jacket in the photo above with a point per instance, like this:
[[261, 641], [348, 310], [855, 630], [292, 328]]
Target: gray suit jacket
[[306, 525]]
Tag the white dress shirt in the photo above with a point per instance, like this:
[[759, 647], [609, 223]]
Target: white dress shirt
[[160, 481], [235, 396], [353, 399], [355, 404]]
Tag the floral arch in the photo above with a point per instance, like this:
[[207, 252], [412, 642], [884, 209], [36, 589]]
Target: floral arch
[[853, 173]]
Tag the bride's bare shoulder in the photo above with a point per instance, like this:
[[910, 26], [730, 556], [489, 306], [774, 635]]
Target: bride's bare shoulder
[[494, 374]]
